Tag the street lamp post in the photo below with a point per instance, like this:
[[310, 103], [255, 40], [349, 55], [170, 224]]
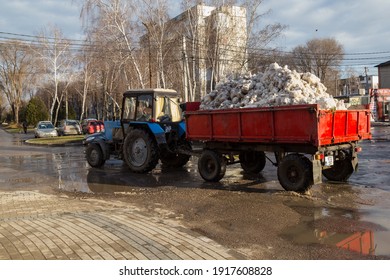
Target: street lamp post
[[367, 88], [150, 69]]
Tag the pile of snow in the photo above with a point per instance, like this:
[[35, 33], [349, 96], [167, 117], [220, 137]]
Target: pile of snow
[[277, 86]]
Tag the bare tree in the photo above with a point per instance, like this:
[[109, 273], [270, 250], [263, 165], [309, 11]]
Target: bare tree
[[227, 42], [135, 39], [103, 75], [15, 71], [192, 34], [212, 41], [224, 38], [114, 18], [112, 58], [352, 81], [154, 16], [321, 57], [86, 75], [260, 37], [53, 51], [2, 104]]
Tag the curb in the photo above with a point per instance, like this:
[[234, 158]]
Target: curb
[[70, 143]]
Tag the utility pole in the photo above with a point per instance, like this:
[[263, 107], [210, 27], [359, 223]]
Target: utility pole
[[367, 86], [185, 64], [150, 69], [66, 104]]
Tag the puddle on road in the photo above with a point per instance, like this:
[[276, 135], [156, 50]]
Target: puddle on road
[[361, 231], [116, 177], [44, 171], [69, 171], [374, 165]]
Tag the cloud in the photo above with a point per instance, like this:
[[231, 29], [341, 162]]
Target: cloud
[[360, 26], [350, 22]]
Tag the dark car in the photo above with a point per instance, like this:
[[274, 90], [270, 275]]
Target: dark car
[[69, 127]]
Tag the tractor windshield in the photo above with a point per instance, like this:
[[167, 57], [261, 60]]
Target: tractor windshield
[[167, 109], [138, 108]]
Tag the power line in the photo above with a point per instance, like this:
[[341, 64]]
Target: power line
[[83, 44], [76, 45]]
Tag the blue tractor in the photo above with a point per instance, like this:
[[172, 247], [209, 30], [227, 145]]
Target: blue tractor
[[151, 128]]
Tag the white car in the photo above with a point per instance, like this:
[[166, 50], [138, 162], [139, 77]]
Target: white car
[[69, 127], [45, 129]]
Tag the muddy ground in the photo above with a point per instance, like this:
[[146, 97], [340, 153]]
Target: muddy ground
[[255, 216], [262, 223]]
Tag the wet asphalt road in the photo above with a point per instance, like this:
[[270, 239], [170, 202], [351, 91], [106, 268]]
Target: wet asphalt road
[[46, 169]]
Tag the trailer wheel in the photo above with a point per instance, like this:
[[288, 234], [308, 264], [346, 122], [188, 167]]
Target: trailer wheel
[[340, 171], [94, 155], [295, 173], [252, 162], [211, 166], [140, 151]]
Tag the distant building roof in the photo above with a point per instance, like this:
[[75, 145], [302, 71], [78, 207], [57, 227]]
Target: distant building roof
[[387, 63]]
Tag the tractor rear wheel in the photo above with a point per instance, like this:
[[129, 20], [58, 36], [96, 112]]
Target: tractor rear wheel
[[140, 151]]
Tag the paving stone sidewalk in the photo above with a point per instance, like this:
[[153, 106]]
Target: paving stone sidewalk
[[37, 226]]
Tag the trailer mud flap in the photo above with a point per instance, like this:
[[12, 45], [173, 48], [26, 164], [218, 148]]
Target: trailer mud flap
[[317, 172], [355, 163]]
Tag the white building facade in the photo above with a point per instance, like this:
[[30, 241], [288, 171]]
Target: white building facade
[[213, 45]]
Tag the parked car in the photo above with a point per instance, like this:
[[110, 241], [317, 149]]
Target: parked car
[[94, 127], [84, 124], [45, 129], [69, 127]]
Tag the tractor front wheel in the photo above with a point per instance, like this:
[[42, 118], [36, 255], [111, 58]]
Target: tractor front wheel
[[94, 155]]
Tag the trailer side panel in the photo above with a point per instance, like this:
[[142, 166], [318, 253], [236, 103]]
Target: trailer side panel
[[295, 124]]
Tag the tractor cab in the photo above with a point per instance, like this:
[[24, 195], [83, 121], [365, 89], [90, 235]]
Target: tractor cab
[[151, 105]]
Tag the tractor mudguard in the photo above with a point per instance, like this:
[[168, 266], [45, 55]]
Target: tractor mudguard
[[105, 149], [182, 128], [99, 139], [158, 133]]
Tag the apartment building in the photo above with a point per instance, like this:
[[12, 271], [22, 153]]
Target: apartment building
[[212, 45], [384, 74]]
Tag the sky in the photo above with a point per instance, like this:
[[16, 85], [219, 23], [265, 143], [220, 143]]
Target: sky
[[361, 26]]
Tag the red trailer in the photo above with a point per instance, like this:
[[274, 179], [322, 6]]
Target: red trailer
[[306, 140]]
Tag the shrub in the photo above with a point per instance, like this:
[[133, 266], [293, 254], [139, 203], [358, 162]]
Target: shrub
[[36, 111]]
